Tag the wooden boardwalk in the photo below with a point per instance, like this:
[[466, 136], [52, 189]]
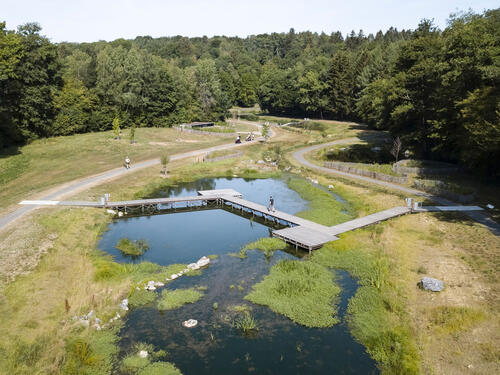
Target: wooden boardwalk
[[368, 220], [302, 233]]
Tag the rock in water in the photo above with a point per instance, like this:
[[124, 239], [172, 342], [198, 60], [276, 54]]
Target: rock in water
[[124, 304], [190, 323], [434, 285], [203, 261]]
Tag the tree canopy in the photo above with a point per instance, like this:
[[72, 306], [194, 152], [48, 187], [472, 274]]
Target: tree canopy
[[438, 90]]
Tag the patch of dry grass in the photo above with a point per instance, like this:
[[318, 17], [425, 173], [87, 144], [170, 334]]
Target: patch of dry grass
[[53, 161]]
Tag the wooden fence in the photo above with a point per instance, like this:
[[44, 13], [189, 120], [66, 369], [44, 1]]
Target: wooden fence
[[349, 168]]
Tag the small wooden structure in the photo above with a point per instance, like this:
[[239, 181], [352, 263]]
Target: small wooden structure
[[197, 125]]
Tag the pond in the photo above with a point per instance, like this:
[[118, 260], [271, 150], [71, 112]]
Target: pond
[[279, 346]]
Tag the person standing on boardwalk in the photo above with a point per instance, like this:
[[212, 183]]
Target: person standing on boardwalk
[[270, 207]]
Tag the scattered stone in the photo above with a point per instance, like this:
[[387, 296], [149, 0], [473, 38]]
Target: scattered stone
[[190, 323], [137, 288], [97, 327], [98, 321], [490, 206], [143, 354], [89, 315], [85, 322], [261, 162], [174, 276], [124, 304], [330, 187], [117, 316], [193, 266], [120, 214], [159, 283], [434, 285], [203, 261], [112, 212]]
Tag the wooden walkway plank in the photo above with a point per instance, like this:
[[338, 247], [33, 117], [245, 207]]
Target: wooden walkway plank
[[448, 208], [304, 237], [275, 214], [368, 220]]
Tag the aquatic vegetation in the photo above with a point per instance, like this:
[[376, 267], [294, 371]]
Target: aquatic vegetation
[[245, 322], [132, 248], [173, 299], [141, 297], [303, 291], [92, 353], [140, 273], [133, 362], [267, 245], [212, 256], [160, 368], [375, 314], [323, 208], [239, 308], [193, 273]]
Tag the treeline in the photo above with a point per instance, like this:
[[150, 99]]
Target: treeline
[[436, 89]]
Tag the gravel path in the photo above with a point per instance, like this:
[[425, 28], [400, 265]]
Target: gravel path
[[88, 182], [482, 218]]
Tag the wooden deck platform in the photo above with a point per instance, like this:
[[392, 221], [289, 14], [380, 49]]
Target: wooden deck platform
[[276, 215], [302, 233], [220, 192], [304, 237]]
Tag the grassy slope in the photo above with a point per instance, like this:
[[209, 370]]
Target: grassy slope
[[323, 208], [46, 163]]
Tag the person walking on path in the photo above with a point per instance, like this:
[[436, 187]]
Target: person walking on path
[[270, 207], [127, 163]]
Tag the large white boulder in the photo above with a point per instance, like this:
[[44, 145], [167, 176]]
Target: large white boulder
[[143, 354], [203, 261], [174, 276]]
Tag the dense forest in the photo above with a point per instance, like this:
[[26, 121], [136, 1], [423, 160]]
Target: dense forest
[[438, 90]]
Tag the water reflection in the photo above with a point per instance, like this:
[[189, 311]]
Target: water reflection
[[215, 346]]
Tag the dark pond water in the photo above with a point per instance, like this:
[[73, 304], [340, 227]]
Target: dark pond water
[[279, 346]]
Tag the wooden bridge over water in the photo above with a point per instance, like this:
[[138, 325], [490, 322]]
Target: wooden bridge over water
[[300, 232]]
